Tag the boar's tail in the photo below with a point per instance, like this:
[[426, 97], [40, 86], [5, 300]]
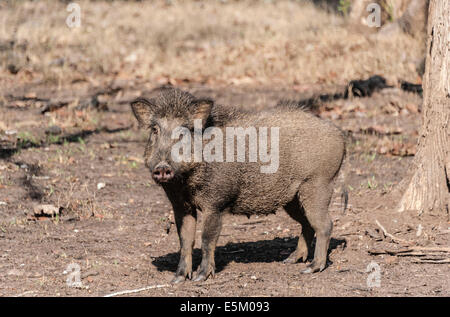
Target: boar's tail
[[341, 177], [344, 198]]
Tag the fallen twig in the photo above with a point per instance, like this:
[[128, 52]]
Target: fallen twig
[[24, 293], [136, 290], [390, 252], [433, 261], [387, 234], [411, 251], [231, 252], [431, 249]]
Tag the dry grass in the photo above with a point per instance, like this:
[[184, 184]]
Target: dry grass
[[257, 42]]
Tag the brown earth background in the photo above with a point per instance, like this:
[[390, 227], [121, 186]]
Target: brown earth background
[[68, 139]]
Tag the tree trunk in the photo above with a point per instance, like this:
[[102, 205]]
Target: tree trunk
[[429, 185]]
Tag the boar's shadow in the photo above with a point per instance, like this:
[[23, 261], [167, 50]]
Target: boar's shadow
[[265, 251]]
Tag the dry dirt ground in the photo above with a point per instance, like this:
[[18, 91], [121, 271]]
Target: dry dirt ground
[[122, 235], [68, 139]]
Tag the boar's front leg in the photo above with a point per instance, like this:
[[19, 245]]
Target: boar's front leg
[[186, 221], [211, 231]]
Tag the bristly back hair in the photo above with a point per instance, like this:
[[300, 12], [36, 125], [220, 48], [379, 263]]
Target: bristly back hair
[[175, 102], [292, 105]]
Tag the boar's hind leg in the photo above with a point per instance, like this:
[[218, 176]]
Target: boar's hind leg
[[186, 222], [296, 211], [210, 235], [315, 197]]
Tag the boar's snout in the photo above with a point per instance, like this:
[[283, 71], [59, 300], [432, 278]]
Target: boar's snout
[[162, 173]]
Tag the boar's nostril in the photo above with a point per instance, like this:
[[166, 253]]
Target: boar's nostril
[[168, 174]]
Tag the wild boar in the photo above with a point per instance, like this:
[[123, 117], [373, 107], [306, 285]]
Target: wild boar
[[306, 154]]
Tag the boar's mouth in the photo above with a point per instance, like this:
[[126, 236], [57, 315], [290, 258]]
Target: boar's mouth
[[159, 182]]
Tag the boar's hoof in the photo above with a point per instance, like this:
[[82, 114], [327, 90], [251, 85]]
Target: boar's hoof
[[203, 276], [295, 257], [178, 279], [181, 278], [313, 267], [200, 278], [291, 260], [308, 270]]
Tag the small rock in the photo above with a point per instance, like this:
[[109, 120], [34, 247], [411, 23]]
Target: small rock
[[346, 225], [31, 95], [131, 58], [419, 230], [101, 185], [46, 210], [89, 273], [15, 272], [57, 62], [53, 130], [13, 69], [404, 112], [391, 260], [383, 150], [413, 108]]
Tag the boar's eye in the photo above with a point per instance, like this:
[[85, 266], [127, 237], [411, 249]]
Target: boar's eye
[[155, 130]]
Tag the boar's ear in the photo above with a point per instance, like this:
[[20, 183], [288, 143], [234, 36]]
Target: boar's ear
[[142, 110], [202, 109]]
